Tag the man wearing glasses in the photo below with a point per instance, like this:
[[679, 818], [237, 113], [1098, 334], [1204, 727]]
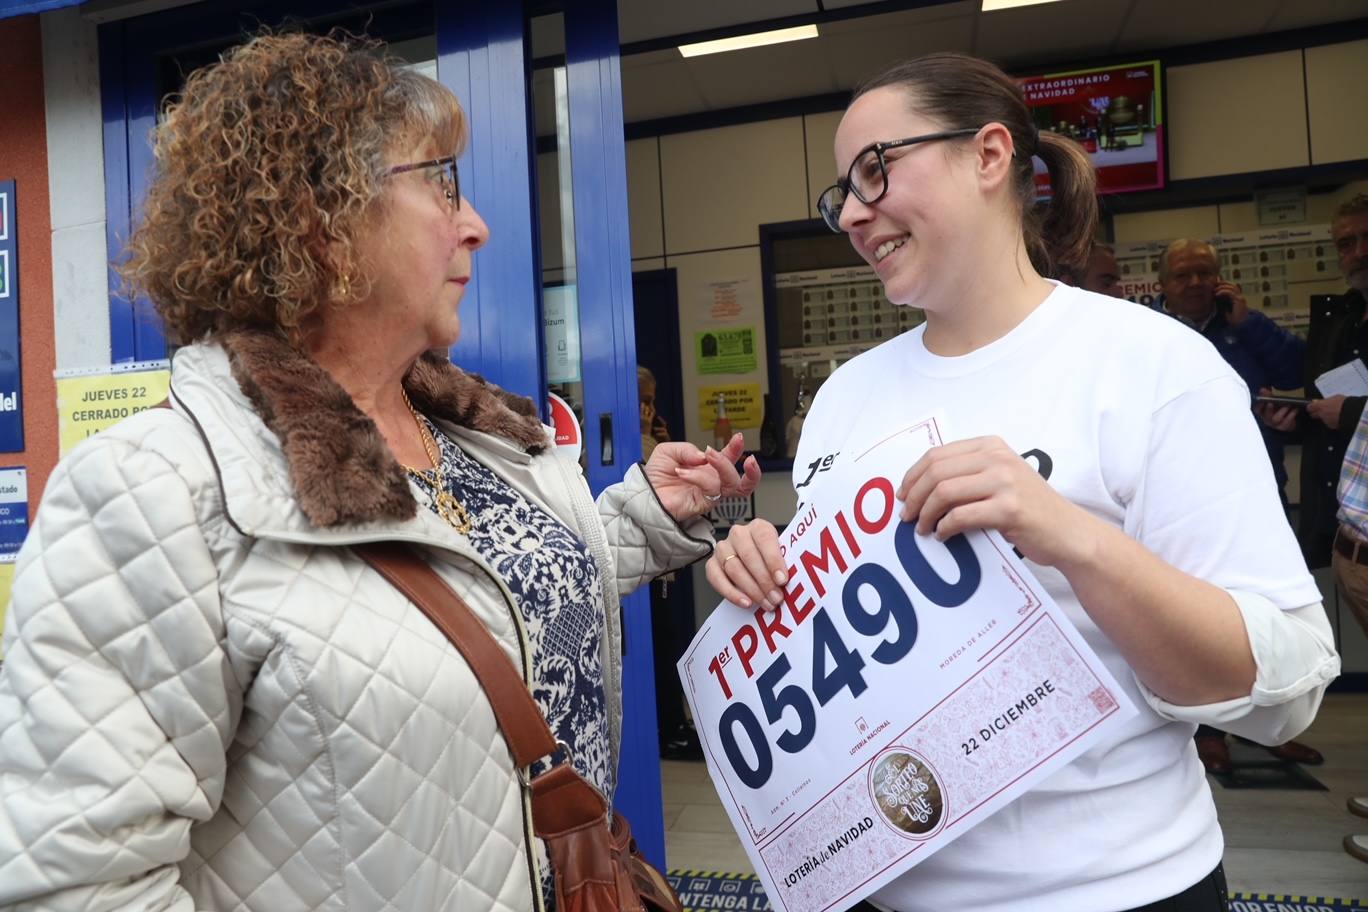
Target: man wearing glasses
[[1330, 422], [1334, 517]]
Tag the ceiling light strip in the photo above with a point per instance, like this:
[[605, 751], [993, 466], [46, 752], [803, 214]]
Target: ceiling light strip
[[740, 42], [990, 6]]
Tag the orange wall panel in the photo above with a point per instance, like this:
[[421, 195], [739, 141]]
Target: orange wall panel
[[23, 158]]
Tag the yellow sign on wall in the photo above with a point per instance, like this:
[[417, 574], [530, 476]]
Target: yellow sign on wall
[[6, 583], [745, 405], [87, 405]]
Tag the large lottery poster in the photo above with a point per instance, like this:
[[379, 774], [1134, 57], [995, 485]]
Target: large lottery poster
[[1115, 113], [905, 690]]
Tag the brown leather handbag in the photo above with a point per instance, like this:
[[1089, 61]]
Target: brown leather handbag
[[596, 863]]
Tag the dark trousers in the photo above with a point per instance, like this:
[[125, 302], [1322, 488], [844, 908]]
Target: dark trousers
[[1207, 895], [670, 639]]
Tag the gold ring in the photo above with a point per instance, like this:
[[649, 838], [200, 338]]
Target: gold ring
[[729, 557]]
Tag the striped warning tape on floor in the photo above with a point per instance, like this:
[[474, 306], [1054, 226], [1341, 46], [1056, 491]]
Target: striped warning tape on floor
[[707, 890], [701, 890], [1281, 902]]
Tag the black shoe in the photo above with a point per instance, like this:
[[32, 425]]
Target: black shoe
[[1297, 753], [683, 746], [1215, 753]]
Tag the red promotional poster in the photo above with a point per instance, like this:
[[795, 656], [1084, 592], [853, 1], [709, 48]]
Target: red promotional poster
[[1115, 113]]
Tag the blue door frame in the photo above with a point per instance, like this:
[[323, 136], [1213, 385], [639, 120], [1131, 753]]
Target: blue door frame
[[603, 258], [482, 56]]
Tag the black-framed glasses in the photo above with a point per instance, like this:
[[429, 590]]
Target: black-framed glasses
[[447, 177], [867, 178]]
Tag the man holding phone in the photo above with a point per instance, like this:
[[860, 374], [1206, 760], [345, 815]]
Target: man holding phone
[[1266, 356]]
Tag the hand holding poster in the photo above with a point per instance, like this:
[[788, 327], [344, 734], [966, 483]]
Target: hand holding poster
[[904, 691]]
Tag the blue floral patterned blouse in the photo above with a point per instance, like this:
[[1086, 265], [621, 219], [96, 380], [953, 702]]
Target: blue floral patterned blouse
[[555, 583]]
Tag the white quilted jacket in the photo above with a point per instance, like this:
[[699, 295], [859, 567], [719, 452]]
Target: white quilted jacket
[[209, 702]]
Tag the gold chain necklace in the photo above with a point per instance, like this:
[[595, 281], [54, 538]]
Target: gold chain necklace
[[448, 507]]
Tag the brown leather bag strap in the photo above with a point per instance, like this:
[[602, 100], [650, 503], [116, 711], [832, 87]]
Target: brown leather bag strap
[[521, 720]]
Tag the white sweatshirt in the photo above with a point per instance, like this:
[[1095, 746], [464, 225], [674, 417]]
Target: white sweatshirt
[[1138, 420]]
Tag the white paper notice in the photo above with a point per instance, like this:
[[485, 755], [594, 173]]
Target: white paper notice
[[1349, 379], [905, 691]]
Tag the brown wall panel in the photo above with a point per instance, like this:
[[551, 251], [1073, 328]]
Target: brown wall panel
[[23, 158]]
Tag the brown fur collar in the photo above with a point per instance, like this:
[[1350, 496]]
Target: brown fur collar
[[342, 469]]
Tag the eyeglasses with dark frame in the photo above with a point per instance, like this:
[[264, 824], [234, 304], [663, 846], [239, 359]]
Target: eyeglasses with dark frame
[[867, 178], [450, 180]]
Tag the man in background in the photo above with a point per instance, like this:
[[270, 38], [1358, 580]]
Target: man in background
[[1099, 274], [1334, 477], [1340, 338], [1266, 356]]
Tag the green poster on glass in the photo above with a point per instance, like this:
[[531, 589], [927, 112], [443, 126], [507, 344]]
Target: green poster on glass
[[726, 351]]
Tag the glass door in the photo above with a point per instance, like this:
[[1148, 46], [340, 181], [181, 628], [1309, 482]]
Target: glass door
[[588, 338]]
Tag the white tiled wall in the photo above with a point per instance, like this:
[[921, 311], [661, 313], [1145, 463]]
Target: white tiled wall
[[643, 198], [1190, 221], [721, 184], [71, 80], [1239, 115], [820, 131], [1337, 95]]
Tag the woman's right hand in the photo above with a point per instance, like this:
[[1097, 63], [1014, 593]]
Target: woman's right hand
[[746, 568]]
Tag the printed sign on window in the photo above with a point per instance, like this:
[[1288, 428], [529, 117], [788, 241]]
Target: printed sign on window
[[744, 402], [726, 351], [90, 403]]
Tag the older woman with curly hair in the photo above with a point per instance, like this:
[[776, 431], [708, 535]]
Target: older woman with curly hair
[[209, 700]]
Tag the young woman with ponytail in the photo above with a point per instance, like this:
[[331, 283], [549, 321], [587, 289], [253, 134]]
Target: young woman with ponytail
[[1145, 509]]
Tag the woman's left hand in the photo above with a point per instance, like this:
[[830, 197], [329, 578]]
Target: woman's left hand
[[689, 481], [982, 484]]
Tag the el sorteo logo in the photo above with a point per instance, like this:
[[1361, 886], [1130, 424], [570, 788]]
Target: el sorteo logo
[[907, 792]]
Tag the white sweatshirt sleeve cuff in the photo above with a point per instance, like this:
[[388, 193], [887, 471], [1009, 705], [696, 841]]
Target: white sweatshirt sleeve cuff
[[1294, 658]]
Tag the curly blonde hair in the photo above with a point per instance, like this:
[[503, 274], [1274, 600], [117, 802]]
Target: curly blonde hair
[[269, 164]]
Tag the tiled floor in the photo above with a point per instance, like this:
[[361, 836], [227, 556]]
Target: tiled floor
[[1276, 842]]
